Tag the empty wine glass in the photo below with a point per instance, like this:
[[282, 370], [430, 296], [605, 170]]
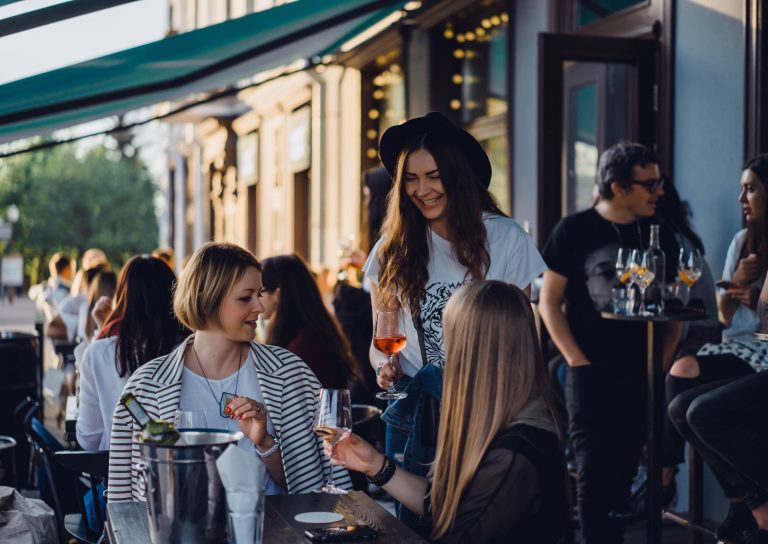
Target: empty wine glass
[[333, 421], [389, 338], [190, 420], [642, 275]]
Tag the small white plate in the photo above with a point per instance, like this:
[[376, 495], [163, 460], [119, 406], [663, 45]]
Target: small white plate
[[318, 517]]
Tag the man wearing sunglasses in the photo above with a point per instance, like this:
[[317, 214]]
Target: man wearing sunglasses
[[605, 378]]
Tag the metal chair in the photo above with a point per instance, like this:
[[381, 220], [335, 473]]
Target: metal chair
[[94, 465], [59, 477]]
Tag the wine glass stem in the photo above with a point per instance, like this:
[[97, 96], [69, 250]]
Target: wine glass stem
[[391, 361], [329, 483], [642, 299]]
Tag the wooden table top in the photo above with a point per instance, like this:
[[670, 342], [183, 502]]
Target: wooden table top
[[127, 521]]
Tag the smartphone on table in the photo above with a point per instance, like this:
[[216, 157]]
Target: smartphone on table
[[342, 534]]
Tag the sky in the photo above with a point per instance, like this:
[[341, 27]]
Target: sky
[[77, 39], [83, 38]]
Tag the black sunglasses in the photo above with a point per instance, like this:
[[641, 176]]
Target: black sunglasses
[[651, 185]]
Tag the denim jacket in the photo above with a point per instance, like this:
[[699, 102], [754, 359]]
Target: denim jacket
[[406, 416]]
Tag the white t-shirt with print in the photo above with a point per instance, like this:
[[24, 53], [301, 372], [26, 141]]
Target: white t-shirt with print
[[198, 393], [514, 259], [745, 320]]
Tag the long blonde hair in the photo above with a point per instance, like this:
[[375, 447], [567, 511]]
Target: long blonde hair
[[493, 369]]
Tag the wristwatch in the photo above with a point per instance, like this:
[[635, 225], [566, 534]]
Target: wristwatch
[[270, 451]]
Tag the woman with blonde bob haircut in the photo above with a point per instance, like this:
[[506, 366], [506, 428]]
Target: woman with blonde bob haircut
[[498, 475], [266, 392]]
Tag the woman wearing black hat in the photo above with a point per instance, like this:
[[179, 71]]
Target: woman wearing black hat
[[442, 229]]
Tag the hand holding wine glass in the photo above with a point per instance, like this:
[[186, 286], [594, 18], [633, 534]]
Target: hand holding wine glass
[[354, 453], [333, 421], [389, 338]]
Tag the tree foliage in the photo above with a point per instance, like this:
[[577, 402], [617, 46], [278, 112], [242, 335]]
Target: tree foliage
[[70, 202]]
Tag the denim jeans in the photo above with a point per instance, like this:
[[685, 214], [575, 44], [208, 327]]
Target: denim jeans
[[729, 422], [404, 433], [712, 368], [606, 413]]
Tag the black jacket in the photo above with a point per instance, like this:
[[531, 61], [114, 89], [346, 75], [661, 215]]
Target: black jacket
[[518, 494]]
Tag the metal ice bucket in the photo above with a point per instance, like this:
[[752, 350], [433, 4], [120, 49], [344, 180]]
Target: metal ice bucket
[[185, 497]]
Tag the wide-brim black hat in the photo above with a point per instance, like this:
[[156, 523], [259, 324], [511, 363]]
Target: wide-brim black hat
[[395, 138]]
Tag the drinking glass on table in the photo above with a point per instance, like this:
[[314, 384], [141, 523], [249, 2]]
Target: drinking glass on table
[[642, 275], [190, 420], [389, 338], [689, 266], [623, 273], [333, 421]]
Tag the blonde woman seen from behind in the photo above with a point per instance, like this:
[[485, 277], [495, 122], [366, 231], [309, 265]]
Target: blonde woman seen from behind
[[498, 474]]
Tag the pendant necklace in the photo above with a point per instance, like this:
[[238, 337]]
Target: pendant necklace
[[618, 233], [225, 397]]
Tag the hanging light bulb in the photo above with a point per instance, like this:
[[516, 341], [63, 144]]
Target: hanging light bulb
[[378, 94], [455, 104], [457, 79], [371, 134], [459, 53]]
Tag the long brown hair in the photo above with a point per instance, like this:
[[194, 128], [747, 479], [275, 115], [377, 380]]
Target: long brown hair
[[404, 252], [143, 313], [493, 369], [301, 308], [757, 231]]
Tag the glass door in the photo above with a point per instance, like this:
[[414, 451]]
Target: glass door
[[595, 92]]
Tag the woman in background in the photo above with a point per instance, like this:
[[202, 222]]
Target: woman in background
[[140, 328], [300, 322], [740, 353]]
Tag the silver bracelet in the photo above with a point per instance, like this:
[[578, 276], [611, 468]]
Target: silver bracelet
[[270, 451]]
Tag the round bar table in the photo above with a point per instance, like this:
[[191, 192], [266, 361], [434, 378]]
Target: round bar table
[[655, 377]]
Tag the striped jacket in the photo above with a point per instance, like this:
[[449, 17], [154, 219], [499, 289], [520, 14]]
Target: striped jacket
[[290, 391]]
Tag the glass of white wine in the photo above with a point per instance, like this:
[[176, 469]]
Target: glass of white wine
[[623, 273], [642, 275], [689, 266], [333, 421]]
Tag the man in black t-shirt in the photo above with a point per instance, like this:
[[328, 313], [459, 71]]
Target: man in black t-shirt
[[605, 380]]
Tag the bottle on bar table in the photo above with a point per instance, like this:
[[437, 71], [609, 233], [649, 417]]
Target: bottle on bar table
[[655, 293], [155, 431]]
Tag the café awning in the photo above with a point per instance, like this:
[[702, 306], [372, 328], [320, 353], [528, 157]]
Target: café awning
[[199, 61]]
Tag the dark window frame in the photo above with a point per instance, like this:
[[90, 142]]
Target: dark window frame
[[484, 126], [755, 78], [653, 19]]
